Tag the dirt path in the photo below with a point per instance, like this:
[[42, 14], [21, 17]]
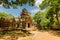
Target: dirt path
[[36, 35], [40, 36]]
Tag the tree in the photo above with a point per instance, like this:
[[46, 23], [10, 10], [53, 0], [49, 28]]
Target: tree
[[37, 17], [40, 18], [6, 15], [42, 21], [15, 3], [54, 6]]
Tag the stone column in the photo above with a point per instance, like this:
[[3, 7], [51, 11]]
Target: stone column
[[26, 25], [23, 24]]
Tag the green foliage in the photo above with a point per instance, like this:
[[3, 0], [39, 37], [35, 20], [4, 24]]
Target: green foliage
[[45, 22], [12, 32], [1, 34], [37, 17], [40, 18], [15, 3], [6, 15], [47, 3], [54, 8], [45, 18]]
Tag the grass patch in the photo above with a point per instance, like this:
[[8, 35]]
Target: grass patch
[[19, 33], [11, 32], [42, 30], [1, 34]]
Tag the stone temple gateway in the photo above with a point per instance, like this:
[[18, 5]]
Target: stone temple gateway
[[24, 21]]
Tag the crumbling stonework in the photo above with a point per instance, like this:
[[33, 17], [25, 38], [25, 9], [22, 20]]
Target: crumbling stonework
[[23, 21], [26, 19]]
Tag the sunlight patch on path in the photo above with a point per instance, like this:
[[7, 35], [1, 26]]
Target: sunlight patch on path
[[40, 36]]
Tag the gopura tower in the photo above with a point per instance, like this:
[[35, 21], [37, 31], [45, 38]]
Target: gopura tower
[[26, 19]]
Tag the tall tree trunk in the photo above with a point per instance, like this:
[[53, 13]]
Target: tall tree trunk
[[57, 17]]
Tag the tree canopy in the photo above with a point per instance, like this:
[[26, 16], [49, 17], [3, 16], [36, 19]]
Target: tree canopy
[[6, 15], [54, 8], [15, 3], [40, 18]]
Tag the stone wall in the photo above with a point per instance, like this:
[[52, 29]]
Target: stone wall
[[24, 21]]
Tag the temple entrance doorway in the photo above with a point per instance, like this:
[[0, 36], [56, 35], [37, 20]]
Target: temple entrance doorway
[[28, 25]]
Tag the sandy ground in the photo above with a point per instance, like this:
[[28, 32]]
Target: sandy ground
[[40, 36], [36, 35]]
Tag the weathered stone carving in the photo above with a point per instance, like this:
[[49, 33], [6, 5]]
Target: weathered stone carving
[[26, 19], [23, 21]]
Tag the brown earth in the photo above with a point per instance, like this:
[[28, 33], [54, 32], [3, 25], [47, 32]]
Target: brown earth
[[36, 35], [40, 36]]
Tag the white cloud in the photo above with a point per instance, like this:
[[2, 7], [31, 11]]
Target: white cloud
[[35, 10], [38, 2], [1, 4]]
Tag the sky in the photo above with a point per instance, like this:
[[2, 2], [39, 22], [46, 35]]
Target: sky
[[17, 12]]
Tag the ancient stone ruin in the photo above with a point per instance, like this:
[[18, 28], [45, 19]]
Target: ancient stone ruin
[[24, 21]]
